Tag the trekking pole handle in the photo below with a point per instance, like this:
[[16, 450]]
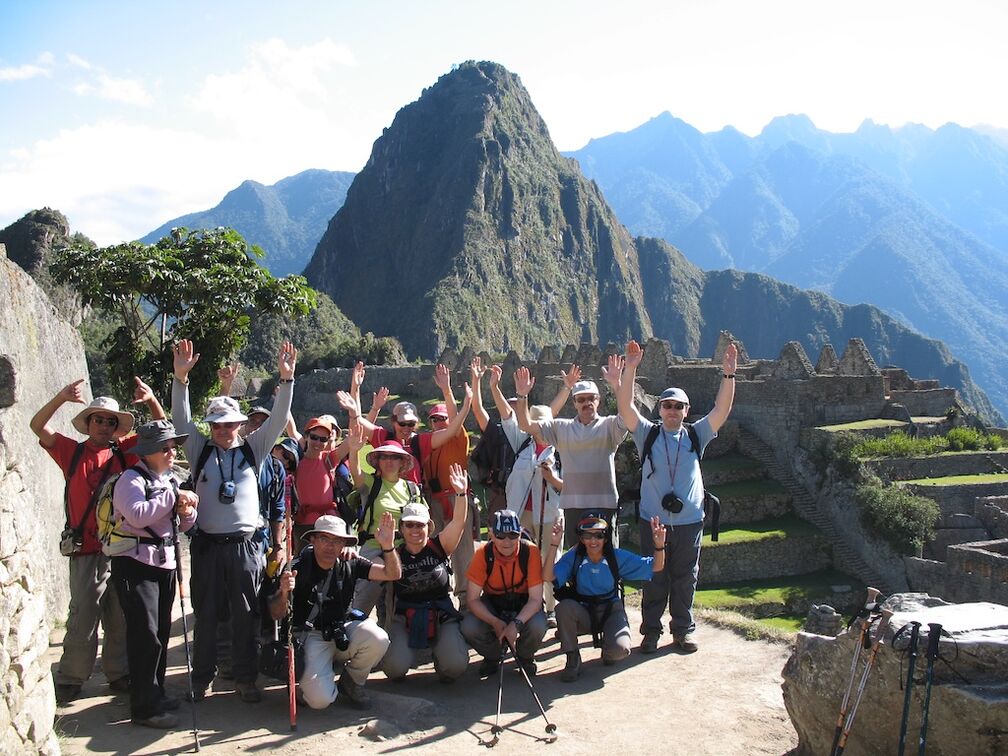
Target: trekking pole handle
[[934, 637], [873, 594]]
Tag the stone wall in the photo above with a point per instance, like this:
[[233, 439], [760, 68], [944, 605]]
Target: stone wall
[[756, 560], [941, 465], [39, 354], [934, 402]]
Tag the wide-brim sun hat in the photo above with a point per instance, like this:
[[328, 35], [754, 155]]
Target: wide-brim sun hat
[[105, 404], [154, 435], [334, 526], [224, 409], [390, 447]]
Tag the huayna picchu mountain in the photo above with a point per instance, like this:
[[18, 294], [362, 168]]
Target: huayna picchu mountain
[[468, 228]]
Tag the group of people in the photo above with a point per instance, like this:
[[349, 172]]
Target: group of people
[[385, 552]]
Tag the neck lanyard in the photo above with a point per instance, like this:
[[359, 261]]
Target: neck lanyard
[[221, 467], [675, 469]]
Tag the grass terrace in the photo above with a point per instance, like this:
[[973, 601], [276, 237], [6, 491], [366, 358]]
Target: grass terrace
[[777, 528], [958, 480], [732, 461], [759, 487], [862, 425]]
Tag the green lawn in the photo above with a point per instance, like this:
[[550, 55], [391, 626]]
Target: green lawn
[[774, 590], [959, 480], [862, 425], [790, 623], [764, 530], [733, 461], [748, 488]]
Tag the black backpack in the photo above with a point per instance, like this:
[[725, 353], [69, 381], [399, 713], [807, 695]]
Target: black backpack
[[341, 489], [493, 458], [712, 504], [204, 456], [508, 603]]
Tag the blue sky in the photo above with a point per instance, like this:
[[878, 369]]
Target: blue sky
[[126, 114]]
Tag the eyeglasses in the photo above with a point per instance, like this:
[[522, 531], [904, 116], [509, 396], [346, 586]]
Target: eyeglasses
[[110, 422], [168, 449], [585, 399], [320, 439], [674, 405], [509, 536], [414, 525], [407, 424], [438, 418], [380, 457], [593, 534], [327, 540]]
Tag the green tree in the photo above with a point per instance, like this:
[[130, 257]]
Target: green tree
[[200, 285]]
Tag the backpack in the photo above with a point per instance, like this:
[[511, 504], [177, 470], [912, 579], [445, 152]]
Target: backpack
[[507, 603], [712, 504], [493, 458], [570, 591], [358, 510], [342, 487], [114, 541], [204, 455], [72, 534]]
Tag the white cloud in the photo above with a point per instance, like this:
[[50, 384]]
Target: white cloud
[[41, 67], [79, 62]]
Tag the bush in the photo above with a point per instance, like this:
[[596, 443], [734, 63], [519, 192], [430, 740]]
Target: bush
[[899, 444], [970, 439], [895, 515]]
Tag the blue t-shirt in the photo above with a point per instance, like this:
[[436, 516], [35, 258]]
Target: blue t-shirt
[[673, 467], [596, 579]]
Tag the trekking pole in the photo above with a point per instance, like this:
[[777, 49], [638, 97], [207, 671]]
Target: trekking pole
[[291, 664], [542, 514], [934, 636], [911, 663], [865, 616], [497, 729], [880, 635], [550, 727], [185, 624]]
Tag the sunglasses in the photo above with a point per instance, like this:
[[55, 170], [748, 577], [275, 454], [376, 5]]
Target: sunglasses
[[380, 457], [674, 405], [593, 534], [110, 422], [407, 424], [509, 536], [320, 439], [228, 426], [168, 449], [414, 525], [438, 418], [585, 399]]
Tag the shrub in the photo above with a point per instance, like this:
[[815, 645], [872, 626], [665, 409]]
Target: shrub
[[970, 439], [895, 515]]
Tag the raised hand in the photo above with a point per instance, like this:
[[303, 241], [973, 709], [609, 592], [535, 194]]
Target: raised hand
[[347, 402], [287, 361], [571, 377], [476, 369], [658, 533], [634, 354], [556, 533], [458, 478], [468, 395], [355, 438], [442, 378], [379, 397], [730, 361], [613, 371], [357, 376], [183, 359], [386, 532], [495, 375], [141, 391], [73, 392], [524, 381]]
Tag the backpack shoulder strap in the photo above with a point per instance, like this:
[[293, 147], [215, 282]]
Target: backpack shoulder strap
[[414, 446], [201, 461], [524, 445], [649, 442], [246, 450], [579, 556], [71, 469], [523, 556], [414, 491], [694, 439], [368, 512], [488, 555]]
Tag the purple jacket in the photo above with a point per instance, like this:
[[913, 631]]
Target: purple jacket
[[129, 500]]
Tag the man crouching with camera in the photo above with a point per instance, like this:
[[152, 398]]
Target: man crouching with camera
[[321, 583]]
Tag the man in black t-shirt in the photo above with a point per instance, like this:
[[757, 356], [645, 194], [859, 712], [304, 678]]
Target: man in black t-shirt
[[318, 589]]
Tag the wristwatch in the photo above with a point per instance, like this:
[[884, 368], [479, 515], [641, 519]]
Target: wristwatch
[[518, 624]]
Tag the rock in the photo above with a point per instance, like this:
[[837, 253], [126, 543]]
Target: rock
[[379, 730], [969, 698]]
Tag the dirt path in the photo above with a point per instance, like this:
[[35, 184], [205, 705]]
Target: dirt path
[[725, 699]]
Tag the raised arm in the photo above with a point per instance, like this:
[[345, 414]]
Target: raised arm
[[226, 376], [441, 437], [378, 399], [443, 380], [292, 430], [265, 436], [354, 443], [524, 382], [142, 394], [556, 537], [503, 408], [385, 535], [624, 395], [726, 392], [451, 534], [352, 407], [72, 392], [571, 377], [184, 358], [476, 370]]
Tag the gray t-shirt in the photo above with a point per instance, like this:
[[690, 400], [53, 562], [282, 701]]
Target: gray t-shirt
[[241, 516], [675, 468], [587, 453]]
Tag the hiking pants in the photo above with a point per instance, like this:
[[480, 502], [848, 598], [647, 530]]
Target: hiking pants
[[574, 619], [449, 649], [367, 646], [484, 641], [463, 553], [146, 594], [231, 573], [676, 584], [92, 600]]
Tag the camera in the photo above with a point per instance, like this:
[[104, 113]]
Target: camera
[[227, 491], [336, 633], [71, 542], [671, 503]]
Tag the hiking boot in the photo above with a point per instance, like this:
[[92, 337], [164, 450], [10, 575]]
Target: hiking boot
[[685, 642], [488, 667], [528, 665], [121, 685], [225, 671], [248, 692], [169, 703], [649, 644], [550, 620], [66, 693], [573, 667], [162, 721], [352, 694]]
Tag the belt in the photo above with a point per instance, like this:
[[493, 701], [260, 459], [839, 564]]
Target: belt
[[226, 537]]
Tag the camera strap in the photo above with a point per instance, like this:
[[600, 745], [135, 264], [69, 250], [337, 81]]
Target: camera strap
[[321, 594], [221, 467], [675, 469]]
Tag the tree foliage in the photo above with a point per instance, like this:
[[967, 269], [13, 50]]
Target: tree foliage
[[200, 285]]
